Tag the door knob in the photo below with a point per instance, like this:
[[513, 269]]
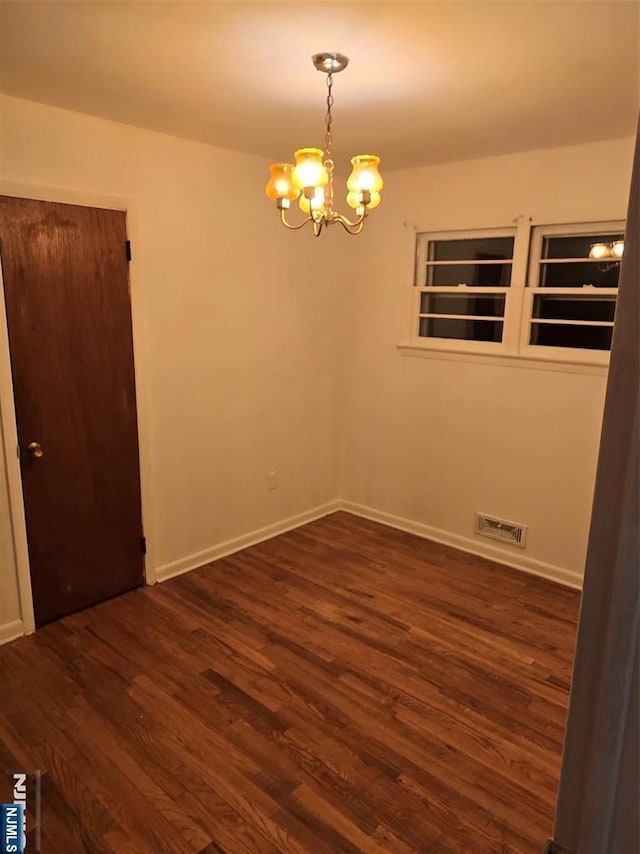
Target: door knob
[[36, 450]]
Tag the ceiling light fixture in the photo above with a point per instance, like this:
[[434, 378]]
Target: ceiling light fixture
[[311, 177]]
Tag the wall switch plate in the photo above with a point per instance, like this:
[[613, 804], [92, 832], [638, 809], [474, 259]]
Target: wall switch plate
[[272, 479]]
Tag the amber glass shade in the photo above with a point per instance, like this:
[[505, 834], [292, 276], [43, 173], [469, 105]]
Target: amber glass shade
[[365, 175], [354, 200], [309, 170], [279, 185], [316, 203]]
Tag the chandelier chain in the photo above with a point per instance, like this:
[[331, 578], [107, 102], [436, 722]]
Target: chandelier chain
[[328, 162]]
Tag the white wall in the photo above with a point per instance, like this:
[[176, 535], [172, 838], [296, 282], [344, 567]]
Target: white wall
[[432, 440], [239, 320]]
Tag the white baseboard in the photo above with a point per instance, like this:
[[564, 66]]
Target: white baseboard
[[193, 561], [16, 629], [11, 631], [500, 555]]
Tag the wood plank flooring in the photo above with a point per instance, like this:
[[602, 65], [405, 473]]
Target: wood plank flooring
[[344, 687]]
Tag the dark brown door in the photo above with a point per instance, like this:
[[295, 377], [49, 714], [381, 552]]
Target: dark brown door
[[66, 282]]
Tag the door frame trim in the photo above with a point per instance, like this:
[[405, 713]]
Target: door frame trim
[[8, 423]]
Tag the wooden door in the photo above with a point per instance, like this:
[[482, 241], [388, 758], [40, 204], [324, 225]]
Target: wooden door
[[66, 282]]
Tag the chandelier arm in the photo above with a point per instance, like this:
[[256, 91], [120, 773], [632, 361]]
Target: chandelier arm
[[352, 229], [347, 224], [283, 220]]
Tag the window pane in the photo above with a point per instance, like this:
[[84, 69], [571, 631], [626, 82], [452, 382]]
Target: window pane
[[472, 249], [469, 330], [558, 335], [575, 245], [478, 275], [574, 308], [483, 304], [597, 273]]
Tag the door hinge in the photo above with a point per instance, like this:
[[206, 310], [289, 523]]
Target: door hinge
[[143, 545], [127, 249]]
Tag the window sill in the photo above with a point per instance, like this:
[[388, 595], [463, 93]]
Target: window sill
[[538, 363]]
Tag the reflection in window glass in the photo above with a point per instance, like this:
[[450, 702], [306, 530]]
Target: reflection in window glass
[[471, 249], [575, 245], [488, 305], [475, 275], [463, 329], [578, 274], [559, 335], [574, 308]]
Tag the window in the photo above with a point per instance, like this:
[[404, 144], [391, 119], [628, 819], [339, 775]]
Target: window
[[571, 298], [463, 284], [523, 291]]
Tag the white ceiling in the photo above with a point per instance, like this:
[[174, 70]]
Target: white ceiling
[[428, 81]]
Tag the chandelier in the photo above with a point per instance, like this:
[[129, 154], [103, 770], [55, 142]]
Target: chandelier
[[311, 177], [607, 251]]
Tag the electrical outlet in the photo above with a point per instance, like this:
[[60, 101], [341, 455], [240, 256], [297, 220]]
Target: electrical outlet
[[273, 479]]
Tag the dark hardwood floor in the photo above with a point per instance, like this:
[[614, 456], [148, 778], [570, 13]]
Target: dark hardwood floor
[[344, 687]]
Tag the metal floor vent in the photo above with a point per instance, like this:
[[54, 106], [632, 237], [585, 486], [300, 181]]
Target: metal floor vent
[[499, 529]]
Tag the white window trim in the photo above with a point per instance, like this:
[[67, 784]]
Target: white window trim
[[536, 362], [514, 346]]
